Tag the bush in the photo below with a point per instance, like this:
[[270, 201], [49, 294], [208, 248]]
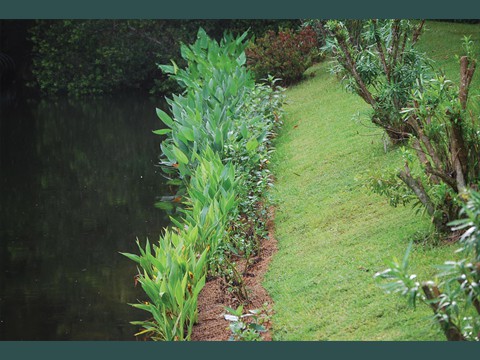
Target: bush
[[285, 55], [442, 158], [417, 106], [380, 64], [455, 297]]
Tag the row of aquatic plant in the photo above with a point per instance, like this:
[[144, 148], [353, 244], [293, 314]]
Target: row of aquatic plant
[[216, 148]]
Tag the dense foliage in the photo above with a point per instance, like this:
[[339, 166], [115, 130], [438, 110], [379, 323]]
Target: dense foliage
[[417, 105], [216, 148], [441, 161], [104, 56], [381, 67], [455, 297], [285, 55]]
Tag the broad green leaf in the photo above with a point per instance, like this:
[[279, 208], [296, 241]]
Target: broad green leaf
[[164, 205], [167, 69], [162, 131], [166, 151], [199, 286], [187, 133], [241, 59], [180, 156], [179, 294], [133, 257], [244, 130], [257, 327], [252, 145], [176, 182], [167, 120], [145, 307]]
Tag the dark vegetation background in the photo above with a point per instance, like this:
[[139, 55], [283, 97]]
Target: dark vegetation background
[[80, 57]]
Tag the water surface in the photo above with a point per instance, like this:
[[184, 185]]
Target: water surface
[[77, 185]]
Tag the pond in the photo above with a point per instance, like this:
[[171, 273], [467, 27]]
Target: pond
[[77, 185]]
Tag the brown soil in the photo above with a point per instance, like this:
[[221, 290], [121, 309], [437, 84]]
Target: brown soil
[[211, 325]]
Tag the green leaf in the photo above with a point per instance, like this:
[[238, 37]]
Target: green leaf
[[199, 286], [167, 120], [167, 69], [176, 182], [244, 130], [252, 145], [145, 307], [230, 203], [241, 59], [179, 295], [162, 131], [164, 205], [407, 254], [239, 40], [187, 133], [132, 257], [175, 67], [179, 155], [257, 327]]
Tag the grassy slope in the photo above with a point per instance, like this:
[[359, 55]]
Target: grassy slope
[[333, 234]]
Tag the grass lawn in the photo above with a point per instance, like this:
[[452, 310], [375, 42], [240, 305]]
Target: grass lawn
[[333, 234]]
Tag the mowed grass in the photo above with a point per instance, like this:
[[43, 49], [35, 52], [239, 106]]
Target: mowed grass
[[333, 234]]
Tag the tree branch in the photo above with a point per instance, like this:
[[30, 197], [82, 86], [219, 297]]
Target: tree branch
[[416, 186], [467, 69], [423, 159], [351, 67], [413, 121], [380, 50], [417, 32], [449, 328], [395, 41]]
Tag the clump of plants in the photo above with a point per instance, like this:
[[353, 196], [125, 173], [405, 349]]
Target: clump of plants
[[379, 62], [419, 108], [216, 150], [172, 276], [441, 157], [454, 296], [248, 326], [285, 54]]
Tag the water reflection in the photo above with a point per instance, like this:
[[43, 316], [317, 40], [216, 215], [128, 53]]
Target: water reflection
[[78, 183]]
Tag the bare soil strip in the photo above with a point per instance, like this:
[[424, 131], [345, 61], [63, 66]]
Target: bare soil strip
[[211, 325]]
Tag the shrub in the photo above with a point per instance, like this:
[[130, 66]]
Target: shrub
[[381, 67], [442, 160], [455, 298], [417, 106], [285, 55]]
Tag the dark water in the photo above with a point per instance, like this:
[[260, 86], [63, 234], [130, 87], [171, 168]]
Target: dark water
[[77, 185]]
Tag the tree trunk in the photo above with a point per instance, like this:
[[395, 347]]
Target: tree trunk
[[467, 69], [450, 330], [416, 186], [352, 67]]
